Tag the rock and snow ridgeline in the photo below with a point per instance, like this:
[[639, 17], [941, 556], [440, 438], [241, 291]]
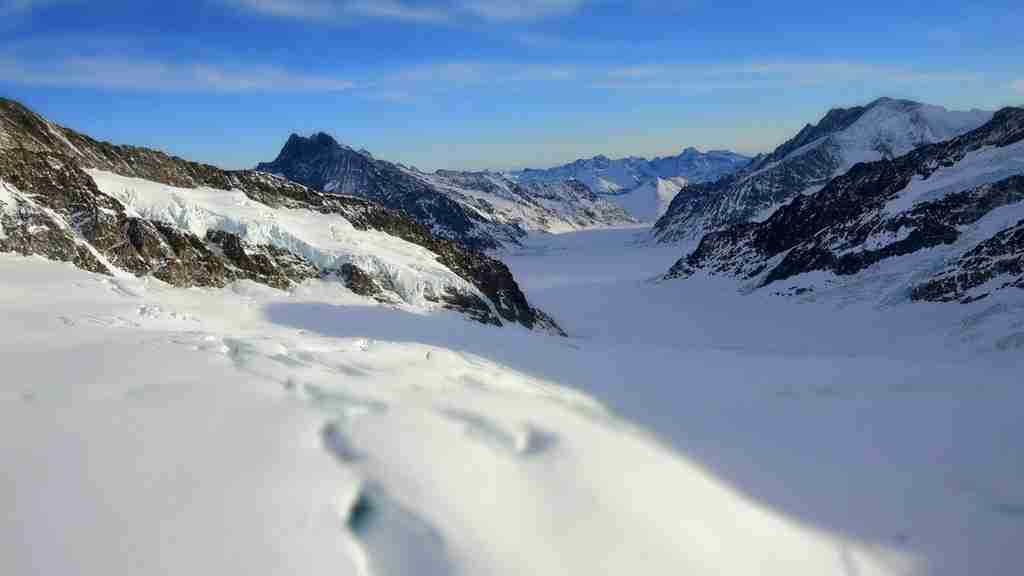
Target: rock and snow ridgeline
[[941, 223], [883, 129], [112, 209]]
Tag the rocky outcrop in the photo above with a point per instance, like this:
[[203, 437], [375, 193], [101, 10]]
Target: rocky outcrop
[[884, 129], [50, 206], [869, 215], [53, 208], [999, 259]]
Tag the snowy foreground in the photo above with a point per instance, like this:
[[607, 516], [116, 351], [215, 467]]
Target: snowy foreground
[[684, 429]]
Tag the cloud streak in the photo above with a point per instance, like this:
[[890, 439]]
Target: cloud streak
[[405, 11], [400, 85], [754, 74], [343, 10], [520, 9], [148, 75], [1018, 87]]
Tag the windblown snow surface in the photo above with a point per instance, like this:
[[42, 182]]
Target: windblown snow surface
[[683, 429]]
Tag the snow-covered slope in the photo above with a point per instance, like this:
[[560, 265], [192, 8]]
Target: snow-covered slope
[[941, 223], [885, 128], [648, 201], [479, 209], [629, 182]]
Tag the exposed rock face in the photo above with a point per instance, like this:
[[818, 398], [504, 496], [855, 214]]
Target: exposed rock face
[[884, 129], [481, 210], [51, 207], [936, 196], [999, 259]]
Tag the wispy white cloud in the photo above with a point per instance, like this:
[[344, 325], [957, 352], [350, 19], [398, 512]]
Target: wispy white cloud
[[344, 10], [457, 74], [520, 9], [788, 72], [402, 85], [404, 10], [149, 75], [1018, 86], [831, 71]]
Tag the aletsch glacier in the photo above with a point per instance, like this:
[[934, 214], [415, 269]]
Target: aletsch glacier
[[324, 418]]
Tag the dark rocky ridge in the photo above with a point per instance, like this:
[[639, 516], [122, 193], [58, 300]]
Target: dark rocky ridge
[[1000, 257], [322, 164], [63, 216], [829, 229]]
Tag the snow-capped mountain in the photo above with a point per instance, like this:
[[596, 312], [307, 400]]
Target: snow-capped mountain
[[944, 223], [885, 128], [648, 201], [638, 185], [120, 209], [482, 210]]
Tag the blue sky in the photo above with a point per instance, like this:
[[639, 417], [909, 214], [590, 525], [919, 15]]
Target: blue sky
[[470, 84]]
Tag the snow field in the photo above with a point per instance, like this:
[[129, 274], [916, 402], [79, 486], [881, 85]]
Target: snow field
[[685, 428]]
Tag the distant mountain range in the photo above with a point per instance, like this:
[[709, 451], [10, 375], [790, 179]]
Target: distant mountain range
[[642, 187], [483, 210], [884, 129]]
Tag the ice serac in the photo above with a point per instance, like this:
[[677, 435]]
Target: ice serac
[[640, 186], [113, 209], [483, 210], [941, 223], [883, 129]]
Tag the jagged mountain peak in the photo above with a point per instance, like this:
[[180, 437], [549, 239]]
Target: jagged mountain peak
[[882, 129], [318, 142], [944, 222]]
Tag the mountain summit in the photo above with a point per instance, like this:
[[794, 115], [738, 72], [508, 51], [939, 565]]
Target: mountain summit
[[885, 128]]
